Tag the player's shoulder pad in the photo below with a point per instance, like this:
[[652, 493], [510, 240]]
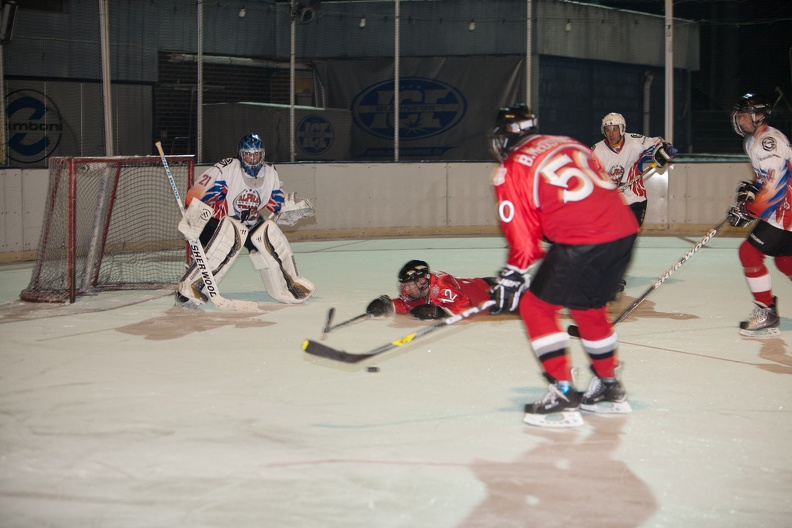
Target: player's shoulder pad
[[636, 135], [225, 162]]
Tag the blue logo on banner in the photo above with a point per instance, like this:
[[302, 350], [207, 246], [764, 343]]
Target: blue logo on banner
[[314, 134], [427, 108], [34, 126]]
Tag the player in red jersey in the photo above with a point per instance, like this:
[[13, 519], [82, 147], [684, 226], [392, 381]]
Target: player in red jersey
[[548, 188], [425, 294]]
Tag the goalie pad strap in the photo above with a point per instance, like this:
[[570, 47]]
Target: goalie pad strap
[[275, 261]]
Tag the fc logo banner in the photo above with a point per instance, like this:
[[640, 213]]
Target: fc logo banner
[[426, 108]]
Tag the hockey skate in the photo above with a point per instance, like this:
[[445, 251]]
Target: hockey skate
[[763, 321], [190, 295], [605, 397], [556, 409]]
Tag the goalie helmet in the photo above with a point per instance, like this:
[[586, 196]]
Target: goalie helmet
[[411, 285], [750, 104], [513, 126], [251, 154], [614, 119]]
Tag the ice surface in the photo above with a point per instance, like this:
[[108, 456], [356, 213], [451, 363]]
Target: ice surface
[[123, 411]]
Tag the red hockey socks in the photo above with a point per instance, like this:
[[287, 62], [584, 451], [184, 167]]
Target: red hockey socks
[[548, 341], [756, 274], [599, 339]]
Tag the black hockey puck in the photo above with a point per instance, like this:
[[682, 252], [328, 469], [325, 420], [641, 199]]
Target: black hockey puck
[[373, 369]]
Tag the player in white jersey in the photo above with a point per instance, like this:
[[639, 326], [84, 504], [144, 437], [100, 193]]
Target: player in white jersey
[[228, 208], [768, 198], [624, 157]]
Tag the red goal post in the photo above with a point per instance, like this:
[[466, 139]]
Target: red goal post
[[109, 224]]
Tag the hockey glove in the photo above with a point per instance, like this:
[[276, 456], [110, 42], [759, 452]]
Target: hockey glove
[[506, 293], [746, 192], [194, 220], [664, 154], [380, 306], [739, 216], [428, 311]]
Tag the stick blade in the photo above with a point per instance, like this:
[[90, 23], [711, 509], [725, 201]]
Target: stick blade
[[320, 350], [235, 305]]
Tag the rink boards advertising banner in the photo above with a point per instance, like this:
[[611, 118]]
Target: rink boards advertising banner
[[446, 104]]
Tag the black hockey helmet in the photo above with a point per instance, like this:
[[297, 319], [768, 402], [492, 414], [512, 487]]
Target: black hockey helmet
[[753, 104], [413, 270], [512, 126], [411, 287]]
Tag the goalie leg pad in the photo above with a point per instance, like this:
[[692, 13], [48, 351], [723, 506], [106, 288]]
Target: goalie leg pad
[[275, 261], [221, 252]]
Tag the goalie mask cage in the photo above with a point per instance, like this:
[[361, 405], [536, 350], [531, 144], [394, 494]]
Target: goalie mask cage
[[109, 224]]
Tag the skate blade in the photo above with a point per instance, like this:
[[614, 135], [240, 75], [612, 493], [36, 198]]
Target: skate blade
[[555, 420], [764, 332], [608, 407]]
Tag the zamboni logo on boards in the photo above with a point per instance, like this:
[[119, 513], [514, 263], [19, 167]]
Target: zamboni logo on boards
[[314, 134], [426, 108], [34, 127]]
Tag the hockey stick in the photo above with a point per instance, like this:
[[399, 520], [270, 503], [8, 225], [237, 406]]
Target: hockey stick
[[331, 314], [320, 350], [645, 174], [200, 257], [574, 331]]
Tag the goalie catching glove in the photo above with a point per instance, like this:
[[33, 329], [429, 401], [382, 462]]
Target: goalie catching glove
[[291, 211], [506, 293], [740, 215]]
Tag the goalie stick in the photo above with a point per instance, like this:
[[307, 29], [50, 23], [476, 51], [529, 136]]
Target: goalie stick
[[200, 259], [574, 331], [320, 350]]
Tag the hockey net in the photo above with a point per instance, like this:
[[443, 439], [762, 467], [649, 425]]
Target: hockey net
[[109, 224]]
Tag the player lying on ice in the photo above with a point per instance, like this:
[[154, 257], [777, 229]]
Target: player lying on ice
[[228, 208], [431, 295]]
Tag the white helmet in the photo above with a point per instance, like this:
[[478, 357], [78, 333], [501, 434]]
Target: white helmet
[[614, 119]]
